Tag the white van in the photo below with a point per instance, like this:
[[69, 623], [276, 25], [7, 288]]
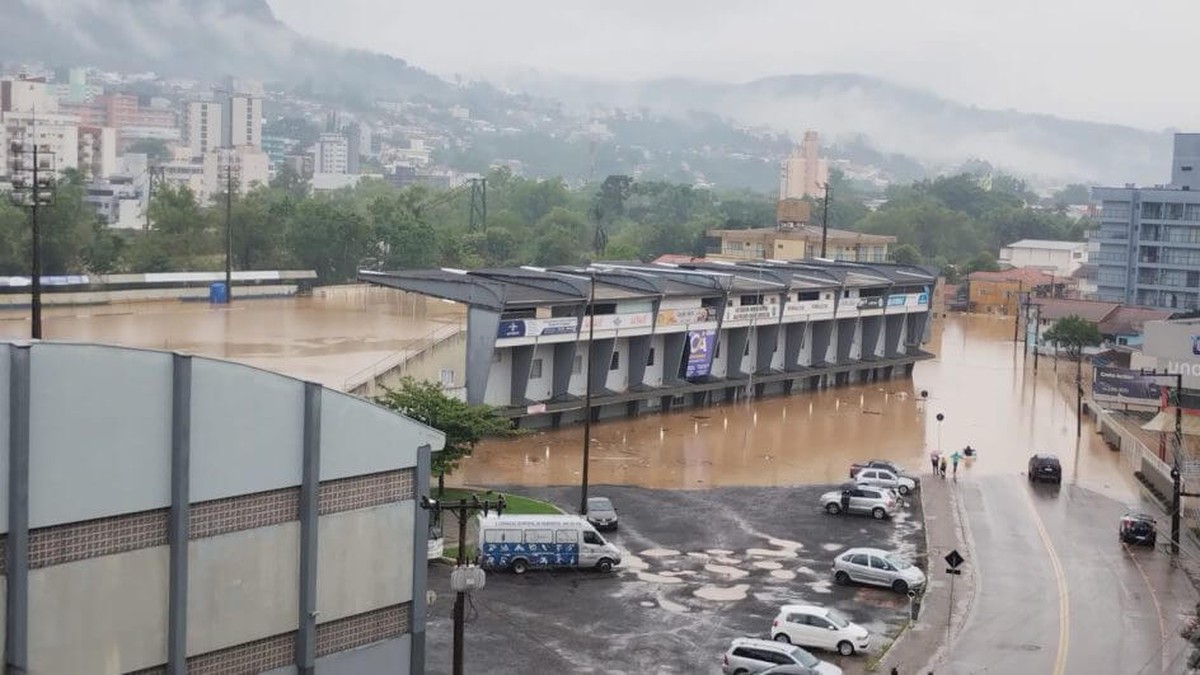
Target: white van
[[519, 542]]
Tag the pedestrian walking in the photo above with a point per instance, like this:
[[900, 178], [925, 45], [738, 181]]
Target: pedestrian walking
[[933, 460], [943, 467], [955, 459]]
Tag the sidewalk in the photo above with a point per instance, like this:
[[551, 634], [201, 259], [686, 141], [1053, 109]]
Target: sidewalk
[[925, 641]]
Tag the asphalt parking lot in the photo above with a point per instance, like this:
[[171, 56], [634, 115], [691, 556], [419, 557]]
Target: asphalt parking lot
[[700, 568]]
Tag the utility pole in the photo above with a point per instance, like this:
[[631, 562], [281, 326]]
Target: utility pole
[[587, 395], [1037, 326], [155, 174], [229, 222], [478, 204], [825, 218], [34, 192], [1078, 391], [1177, 493], [464, 578], [1017, 313]]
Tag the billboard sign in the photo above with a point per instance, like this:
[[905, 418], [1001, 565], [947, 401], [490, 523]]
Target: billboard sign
[[1124, 386], [873, 302], [701, 347]]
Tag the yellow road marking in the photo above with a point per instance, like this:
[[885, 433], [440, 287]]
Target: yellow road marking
[[1064, 617], [1162, 623]]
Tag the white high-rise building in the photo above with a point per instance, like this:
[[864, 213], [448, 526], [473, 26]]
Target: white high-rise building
[[202, 126], [97, 152], [245, 121], [21, 95], [58, 135], [805, 173], [331, 154]]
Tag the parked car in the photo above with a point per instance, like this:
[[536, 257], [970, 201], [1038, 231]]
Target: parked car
[[1138, 528], [879, 502], [1045, 468], [747, 656], [884, 464], [886, 479], [601, 513], [820, 627], [877, 567]]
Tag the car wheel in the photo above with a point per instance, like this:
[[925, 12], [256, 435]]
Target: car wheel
[[520, 566], [879, 513], [845, 648], [741, 671], [605, 565], [1152, 541], [842, 578], [900, 586], [782, 637], [903, 489], [833, 509], [1031, 476]]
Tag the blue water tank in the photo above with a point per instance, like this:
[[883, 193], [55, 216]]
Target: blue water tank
[[217, 293]]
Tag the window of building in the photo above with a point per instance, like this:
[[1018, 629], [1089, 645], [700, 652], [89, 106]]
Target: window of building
[[615, 363], [535, 369], [752, 300], [807, 296], [447, 377]]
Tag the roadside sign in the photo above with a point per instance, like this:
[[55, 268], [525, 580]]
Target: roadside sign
[[954, 559]]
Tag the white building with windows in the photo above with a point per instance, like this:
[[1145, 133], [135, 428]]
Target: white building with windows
[[331, 154], [1060, 258]]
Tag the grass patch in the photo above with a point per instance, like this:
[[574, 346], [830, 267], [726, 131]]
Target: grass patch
[[516, 504], [451, 553], [875, 660]]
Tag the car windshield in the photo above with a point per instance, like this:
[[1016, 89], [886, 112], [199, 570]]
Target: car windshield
[[599, 504], [805, 659], [898, 563], [838, 618]]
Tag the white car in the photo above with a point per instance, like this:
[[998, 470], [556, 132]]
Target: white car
[[813, 626], [885, 479], [852, 498], [877, 567]]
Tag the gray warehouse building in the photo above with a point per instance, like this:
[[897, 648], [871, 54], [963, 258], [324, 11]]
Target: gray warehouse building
[[666, 336], [164, 513]]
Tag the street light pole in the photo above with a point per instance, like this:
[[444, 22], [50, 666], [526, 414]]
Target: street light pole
[[40, 192], [229, 217], [1177, 492], [587, 395], [825, 218]]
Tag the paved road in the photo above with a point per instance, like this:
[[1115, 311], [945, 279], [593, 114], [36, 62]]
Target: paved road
[[1058, 593]]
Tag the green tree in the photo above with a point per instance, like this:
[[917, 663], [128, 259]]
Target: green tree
[[290, 181], [464, 425], [906, 254], [406, 240], [14, 239], [184, 225], [329, 235], [984, 262], [68, 227], [1073, 334], [561, 240]]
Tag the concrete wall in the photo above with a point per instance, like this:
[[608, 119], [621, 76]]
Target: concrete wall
[[106, 614], [378, 658], [540, 388], [654, 371], [618, 380], [499, 381], [5, 365], [76, 423], [355, 547]]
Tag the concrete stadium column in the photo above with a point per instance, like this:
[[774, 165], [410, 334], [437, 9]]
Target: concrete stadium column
[[822, 338], [793, 343], [482, 325], [564, 362], [846, 331], [639, 354], [736, 345], [601, 358], [310, 478], [522, 361], [892, 328], [768, 340], [177, 521], [420, 547], [16, 625], [673, 346]]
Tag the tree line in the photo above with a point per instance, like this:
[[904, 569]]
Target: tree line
[[952, 223]]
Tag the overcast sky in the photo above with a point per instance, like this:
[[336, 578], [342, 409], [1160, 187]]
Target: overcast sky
[[1104, 60]]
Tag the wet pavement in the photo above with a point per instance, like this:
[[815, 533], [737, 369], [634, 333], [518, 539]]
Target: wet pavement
[[327, 338], [701, 568]]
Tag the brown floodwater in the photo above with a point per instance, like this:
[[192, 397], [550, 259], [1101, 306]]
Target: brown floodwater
[[980, 382], [327, 338]]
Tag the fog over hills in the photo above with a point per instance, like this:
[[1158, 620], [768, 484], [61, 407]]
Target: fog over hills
[[211, 38], [895, 119]]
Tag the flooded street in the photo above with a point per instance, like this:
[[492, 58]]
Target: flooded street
[[979, 382], [326, 338]]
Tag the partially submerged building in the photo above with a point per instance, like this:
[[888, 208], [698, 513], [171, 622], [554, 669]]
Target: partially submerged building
[[655, 337]]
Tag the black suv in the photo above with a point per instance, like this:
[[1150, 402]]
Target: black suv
[[1138, 528], [1045, 467]]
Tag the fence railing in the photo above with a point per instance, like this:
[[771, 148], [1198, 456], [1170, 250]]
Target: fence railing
[[397, 359]]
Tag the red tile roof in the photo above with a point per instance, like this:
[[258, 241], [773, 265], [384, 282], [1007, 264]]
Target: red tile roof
[[1093, 311], [1130, 320]]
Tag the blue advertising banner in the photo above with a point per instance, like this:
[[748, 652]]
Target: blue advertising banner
[[511, 328], [700, 351], [1128, 386]]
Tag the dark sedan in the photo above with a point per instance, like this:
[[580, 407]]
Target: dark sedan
[[1045, 468]]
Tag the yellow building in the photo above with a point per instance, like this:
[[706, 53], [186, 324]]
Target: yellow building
[[796, 242]]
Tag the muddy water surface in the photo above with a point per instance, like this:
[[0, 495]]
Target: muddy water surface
[[980, 382]]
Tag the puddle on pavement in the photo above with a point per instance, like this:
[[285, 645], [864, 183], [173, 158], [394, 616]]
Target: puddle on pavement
[[722, 593]]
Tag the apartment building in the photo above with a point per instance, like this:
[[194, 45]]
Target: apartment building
[[1148, 239], [202, 126], [796, 242]]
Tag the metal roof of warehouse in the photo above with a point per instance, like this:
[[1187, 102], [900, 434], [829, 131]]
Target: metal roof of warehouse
[[500, 288]]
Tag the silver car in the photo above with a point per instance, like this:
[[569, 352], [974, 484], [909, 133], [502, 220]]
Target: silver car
[[880, 503], [601, 513], [879, 568], [753, 655]]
